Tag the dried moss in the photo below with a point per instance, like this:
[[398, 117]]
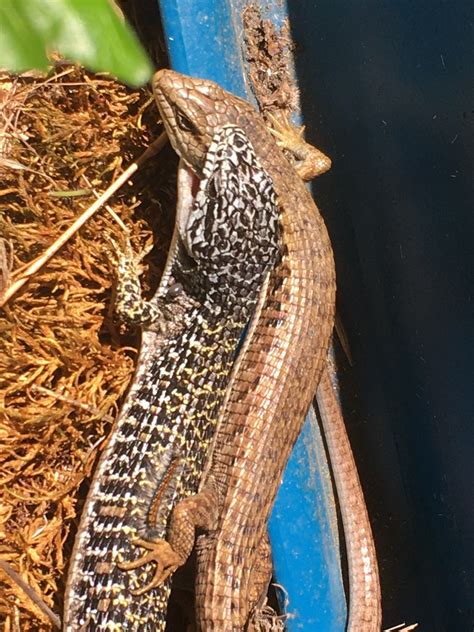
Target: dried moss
[[64, 364], [268, 52]]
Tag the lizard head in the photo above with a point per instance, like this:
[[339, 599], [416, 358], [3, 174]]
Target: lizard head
[[192, 109]]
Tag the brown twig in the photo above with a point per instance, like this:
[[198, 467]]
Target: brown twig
[[35, 598], [70, 400]]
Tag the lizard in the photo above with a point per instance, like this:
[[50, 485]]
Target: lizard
[[226, 240], [281, 366]]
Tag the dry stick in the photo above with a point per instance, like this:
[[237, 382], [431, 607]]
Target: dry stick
[[35, 598], [108, 208], [75, 402], [36, 265]]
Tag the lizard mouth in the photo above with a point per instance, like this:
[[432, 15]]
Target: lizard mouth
[[195, 181], [188, 185]]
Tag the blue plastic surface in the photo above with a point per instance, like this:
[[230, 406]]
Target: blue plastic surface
[[304, 536], [204, 40]]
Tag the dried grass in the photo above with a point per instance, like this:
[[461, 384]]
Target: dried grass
[[64, 364]]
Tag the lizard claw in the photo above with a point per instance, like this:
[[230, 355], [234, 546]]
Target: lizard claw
[[161, 552], [287, 135]]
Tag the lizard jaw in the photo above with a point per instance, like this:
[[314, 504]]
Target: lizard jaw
[[188, 183]]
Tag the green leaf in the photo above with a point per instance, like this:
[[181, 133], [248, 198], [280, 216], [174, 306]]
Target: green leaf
[[86, 31], [21, 47]]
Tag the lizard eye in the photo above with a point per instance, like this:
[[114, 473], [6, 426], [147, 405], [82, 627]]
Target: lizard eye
[[184, 123]]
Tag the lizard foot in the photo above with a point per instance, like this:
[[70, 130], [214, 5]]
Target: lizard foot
[[308, 160], [288, 136], [167, 561]]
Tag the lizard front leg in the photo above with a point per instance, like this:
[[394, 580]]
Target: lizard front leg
[[307, 160], [130, 307]]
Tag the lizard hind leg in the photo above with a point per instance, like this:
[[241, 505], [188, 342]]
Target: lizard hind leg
[[262, 617], [194, 512], [261, 573], [198, 511]]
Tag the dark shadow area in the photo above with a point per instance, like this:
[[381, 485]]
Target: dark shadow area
[[387, 92], [145, 17]]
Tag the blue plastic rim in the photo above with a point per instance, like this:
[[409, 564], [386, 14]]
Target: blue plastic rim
[[204, 39]]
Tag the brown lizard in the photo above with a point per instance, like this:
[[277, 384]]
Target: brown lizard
[[273, 383]]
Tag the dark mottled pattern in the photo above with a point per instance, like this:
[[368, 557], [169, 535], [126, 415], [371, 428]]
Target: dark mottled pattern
[[160, 440]]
